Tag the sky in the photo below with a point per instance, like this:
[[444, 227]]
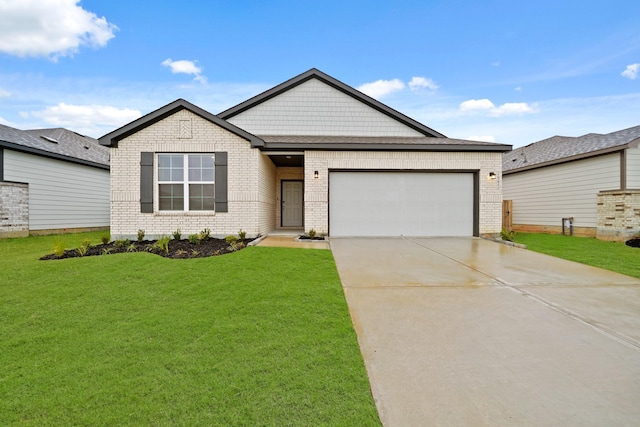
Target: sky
[[512, 72]]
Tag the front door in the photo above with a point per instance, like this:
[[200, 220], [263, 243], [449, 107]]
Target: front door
[[292, 205]]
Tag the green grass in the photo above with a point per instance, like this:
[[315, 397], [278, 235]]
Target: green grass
[[258, 337], [614, 256]]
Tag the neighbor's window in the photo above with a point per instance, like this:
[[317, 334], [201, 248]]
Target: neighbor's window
[[186, 182]]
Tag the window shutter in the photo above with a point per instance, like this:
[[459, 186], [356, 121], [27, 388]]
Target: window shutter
[[221, 181], [146, 182]]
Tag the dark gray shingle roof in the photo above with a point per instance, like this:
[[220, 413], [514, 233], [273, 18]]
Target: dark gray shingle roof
[[386, 142], [559, 149], [56, 143]]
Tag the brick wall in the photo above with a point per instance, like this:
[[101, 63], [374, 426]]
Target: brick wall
[[250, 202], [618, 214], [14, 209], [316, 190]]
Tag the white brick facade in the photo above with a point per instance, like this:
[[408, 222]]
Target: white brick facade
[[251, 181], [316, 190]]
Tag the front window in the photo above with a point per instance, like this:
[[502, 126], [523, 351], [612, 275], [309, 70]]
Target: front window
[[186, 182]]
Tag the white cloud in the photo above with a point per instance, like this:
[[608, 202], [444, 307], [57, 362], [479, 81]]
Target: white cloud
[[507, 109], [513, 108], [185, 67], [631, 72], [477, 105], [422, 82], [380, 88], [484, 138], [86, 118], [4, 93], [51, 28]]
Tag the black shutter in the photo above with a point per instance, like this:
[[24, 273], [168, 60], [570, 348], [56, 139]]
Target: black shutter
[[146, 182], [221, 181]]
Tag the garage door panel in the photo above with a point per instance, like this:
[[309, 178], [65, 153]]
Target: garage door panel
[[401, 203]]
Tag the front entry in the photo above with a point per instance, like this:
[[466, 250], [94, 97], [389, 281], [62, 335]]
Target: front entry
[[292, 203]]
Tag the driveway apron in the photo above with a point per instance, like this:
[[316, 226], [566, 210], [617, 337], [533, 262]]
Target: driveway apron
[[465, 331]]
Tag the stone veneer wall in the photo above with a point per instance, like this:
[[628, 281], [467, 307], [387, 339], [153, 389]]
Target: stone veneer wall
[[14, 209], [618, 214]]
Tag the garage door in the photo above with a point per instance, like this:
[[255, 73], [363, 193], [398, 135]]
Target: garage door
[[400, 204]]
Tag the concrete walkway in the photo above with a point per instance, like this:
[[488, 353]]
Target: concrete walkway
[[291, 241], [465, 332]]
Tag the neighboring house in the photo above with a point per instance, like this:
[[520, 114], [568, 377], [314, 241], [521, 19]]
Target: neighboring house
[[52, 181], [310, 153], [593, 179]]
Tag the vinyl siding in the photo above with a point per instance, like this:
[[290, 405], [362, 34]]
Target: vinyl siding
[[61, 194], [544, 196], [633, 168], [314, 108]]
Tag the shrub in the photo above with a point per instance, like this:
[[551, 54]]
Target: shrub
[[122, 243], [234, 243], [163, 243], [312, 233], [140, 235], [242, 234], [84, 247], [105, 239], [58, 248], [204, 234], [176, 234], [194, 239], [508, 235]]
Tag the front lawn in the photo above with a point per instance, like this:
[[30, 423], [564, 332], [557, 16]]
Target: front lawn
[[614, 256], [258, 337]]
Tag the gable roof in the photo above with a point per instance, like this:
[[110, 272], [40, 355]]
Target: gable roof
[[348, 90], [561, 149], [57, 143], [111, 139]]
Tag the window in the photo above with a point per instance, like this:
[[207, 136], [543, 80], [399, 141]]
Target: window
[[186, 182]]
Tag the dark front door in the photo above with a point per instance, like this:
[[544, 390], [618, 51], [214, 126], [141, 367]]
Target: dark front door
[[292, 207]]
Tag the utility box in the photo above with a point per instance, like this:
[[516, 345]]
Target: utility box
[[567, 226]]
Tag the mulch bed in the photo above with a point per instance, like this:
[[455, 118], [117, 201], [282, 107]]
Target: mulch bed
[[177, 249], [634, 243]]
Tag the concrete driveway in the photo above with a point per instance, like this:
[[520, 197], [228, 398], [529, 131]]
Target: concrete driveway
[[465, 332]]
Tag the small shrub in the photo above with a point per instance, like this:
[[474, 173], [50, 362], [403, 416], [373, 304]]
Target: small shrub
[[58, 248], [204, 234], [105, 239], [140, 235], [122, 243], [242, 234], [194, 239], [106, 251], [163, 243], [194, 253], [508, 235], [176, 234], [180, 252], [312, 233], [234, 243], [131, 248], [84, 247]]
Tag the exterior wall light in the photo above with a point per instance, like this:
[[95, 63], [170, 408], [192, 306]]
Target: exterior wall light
[[316, 175], [492, 176]]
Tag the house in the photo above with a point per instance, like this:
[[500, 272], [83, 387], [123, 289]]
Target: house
[[51, 181], [593, 180], [310, 153]]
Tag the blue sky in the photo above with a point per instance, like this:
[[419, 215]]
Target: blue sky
[[504, 71]]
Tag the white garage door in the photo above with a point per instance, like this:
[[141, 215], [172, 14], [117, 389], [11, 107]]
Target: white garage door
[[400, 204]]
